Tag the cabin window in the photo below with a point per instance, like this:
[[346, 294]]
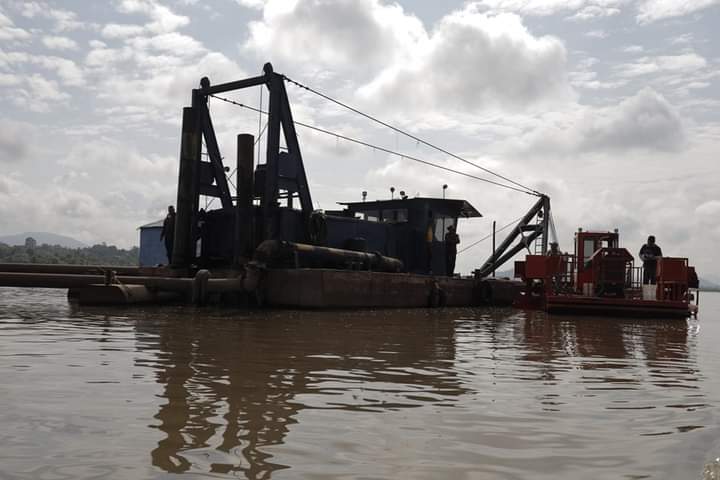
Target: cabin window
[[396, 215], [441, 225], [588, 249], [372, 216]]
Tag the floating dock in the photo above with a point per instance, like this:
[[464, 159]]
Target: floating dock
[[288, 287]]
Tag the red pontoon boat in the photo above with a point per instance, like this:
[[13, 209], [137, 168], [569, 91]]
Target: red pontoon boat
[[600, 278]]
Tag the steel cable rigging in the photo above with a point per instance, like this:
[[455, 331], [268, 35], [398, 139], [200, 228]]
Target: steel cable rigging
[[386, 150], [526, 189], [504, 227]]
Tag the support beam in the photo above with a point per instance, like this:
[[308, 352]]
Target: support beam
[[187, 196], [291, 141], [244, 218], [269, 198], [525, 243], [545, 223], [215, 159], [229, 86], [498, 258]]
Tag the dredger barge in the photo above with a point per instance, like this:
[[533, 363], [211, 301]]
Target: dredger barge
[[267, 245]]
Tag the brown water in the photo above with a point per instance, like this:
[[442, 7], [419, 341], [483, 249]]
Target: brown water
[[458, 393]]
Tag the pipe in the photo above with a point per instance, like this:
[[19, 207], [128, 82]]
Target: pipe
[[72, 269], [282, 254], [55, 280]]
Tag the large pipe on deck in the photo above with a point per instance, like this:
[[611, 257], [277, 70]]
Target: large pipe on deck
[[55, 280], [282, 254], [72, 269]]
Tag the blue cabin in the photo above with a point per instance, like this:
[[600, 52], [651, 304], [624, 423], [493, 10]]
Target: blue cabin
[[398, 228], [152, 249]]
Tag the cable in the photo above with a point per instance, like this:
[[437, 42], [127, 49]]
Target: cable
[[382, 149], [259, 124], [490, 235], [417, 139]]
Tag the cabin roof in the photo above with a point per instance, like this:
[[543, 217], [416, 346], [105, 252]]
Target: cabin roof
[[461, 207], [156, 224]]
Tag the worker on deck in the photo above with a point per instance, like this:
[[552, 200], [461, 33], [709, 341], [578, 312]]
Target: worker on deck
[[168, 232], [558, 266], [451, 241], [649, 253]]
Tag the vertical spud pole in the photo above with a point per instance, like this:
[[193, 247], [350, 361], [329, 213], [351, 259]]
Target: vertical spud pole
[[244, 221], [190, 144]]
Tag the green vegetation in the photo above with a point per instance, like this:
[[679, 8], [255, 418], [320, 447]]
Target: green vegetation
[[95, 255]]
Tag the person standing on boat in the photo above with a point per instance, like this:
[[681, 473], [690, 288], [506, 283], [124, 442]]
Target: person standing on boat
[[168, 232], [649, 253], [451, 241]]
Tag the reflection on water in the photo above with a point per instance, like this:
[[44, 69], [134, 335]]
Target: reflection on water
[[244, 381], [461, 393]]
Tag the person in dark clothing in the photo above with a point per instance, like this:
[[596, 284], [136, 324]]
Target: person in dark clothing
[[649, 253], [168, 232], [451, 241]]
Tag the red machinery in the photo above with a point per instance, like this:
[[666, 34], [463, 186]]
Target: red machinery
[[600, 278]]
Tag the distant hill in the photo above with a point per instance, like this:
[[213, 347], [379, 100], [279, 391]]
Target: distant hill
[[95, 255], [43, 238]]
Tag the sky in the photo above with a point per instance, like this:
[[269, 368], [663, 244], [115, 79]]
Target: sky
[[610, 107]]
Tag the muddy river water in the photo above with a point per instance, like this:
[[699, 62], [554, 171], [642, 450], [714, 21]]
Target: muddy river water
[[132, 393]]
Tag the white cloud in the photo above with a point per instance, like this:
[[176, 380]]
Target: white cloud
[[633, 49], [104, 154], [474, 61], [653, 10], [59, 43], [45, 89], [596, 34], [257, 4], [682, 39], [9, 79], [356, 35], [14, 144], [150, 85], [172, 42], [645, 121], [709, 210], [119, 30], [686, 62], [36, 93], [586, 9], [163, 19], [67, 70], [594, 11], [8, 30], [64, 20]]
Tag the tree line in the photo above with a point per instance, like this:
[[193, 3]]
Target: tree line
[[54, 254]]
